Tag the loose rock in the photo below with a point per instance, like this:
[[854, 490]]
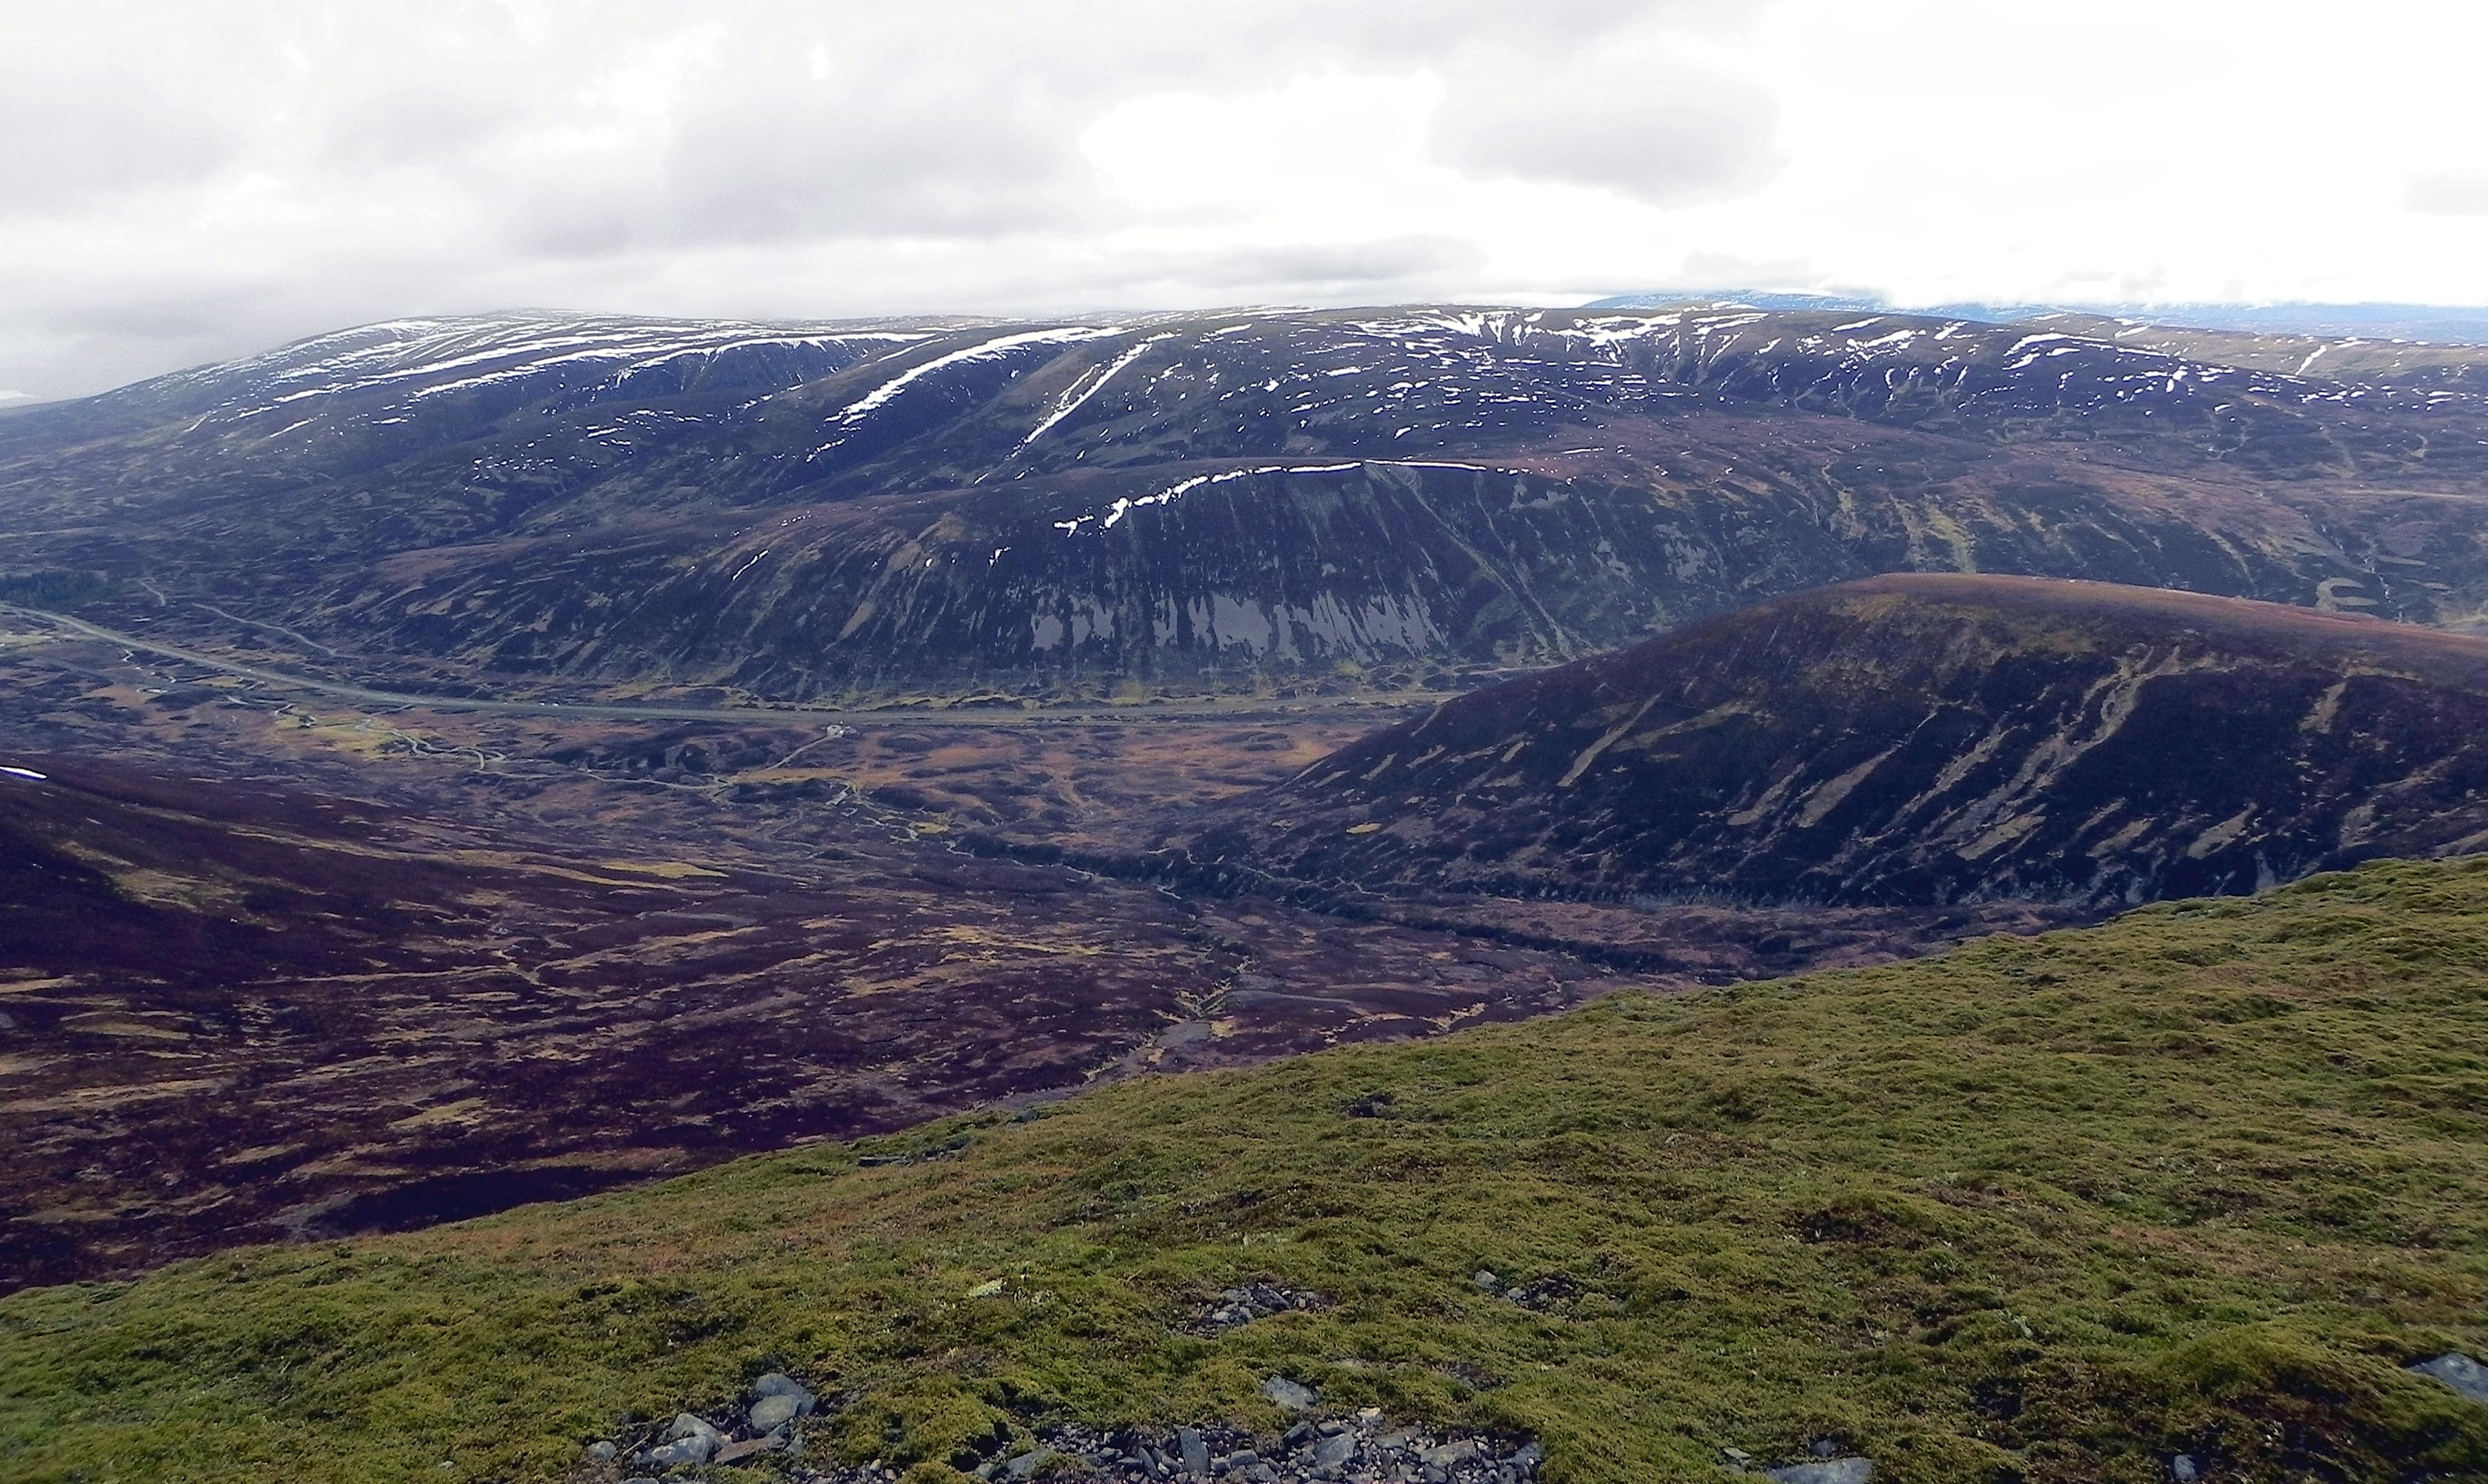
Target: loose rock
[[691, 1439], [1835, 1470], [1289, 1395], [1255, 1300], [2458, 1371], [780, 1400]]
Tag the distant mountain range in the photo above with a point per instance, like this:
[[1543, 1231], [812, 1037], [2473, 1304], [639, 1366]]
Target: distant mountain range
[[1205, 503], [2454, 325]]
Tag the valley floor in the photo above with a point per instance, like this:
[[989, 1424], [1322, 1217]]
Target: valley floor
[[275, 965]]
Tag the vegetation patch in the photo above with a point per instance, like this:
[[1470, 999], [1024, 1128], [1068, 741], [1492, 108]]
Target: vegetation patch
[[2199, 1182], [56, 588]]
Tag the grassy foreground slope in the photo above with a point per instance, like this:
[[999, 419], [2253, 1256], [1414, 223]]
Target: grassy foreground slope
[[2200, 1180]]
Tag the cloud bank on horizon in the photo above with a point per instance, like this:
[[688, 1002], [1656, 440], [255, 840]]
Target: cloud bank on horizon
[[192, 181]]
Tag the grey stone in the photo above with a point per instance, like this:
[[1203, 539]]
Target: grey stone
[[687, 1450], [686, 1425], [1485, 1278], [1291, 1396], [1296, 1434], [772, 1413], [1195, 1450], [1027, 1463], [600, 1452], [2182, 1469], [780, 1383], [1333, 1452], [689, 1441], [1530, 1456], [2458, 1371], [1331, 1427], [1448, 1454], [1833, 1471]]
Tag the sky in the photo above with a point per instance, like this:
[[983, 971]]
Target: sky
[[184, 180]]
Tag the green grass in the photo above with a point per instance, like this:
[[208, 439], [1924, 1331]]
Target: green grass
[[2199, 1179]]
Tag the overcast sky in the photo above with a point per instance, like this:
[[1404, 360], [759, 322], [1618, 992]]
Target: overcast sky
[[187, 180]]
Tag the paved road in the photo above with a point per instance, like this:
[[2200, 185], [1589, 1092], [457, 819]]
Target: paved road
[[1237, 707]]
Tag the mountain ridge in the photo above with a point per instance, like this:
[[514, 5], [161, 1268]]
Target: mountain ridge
[[1913, 739], [1210, 503]]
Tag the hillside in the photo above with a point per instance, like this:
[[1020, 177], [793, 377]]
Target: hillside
[[1205, 503], [235, 1013], [1915, 739], [278, 964], [2199, 1182]]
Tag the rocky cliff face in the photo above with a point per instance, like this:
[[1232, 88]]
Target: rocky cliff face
[[1912, 740], [1219, 502]]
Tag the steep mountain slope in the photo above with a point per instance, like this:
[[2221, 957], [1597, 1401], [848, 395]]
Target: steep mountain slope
[[1914, 738], [2198, 1184], [1211, 502]]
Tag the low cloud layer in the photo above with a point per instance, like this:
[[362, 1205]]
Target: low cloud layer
[[187, 182]]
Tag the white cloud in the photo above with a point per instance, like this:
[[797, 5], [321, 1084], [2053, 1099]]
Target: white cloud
[[1651, 128], [191, 180], [2449, 195]]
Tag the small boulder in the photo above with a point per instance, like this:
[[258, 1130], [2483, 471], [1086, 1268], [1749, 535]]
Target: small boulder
[[1331, 1454], [1026, 1465], [2182, 1469], [1832, 1471], [689, 1441], [780, 1399], [600, 1452], [1195, 1450], [682, 1452], [1449, 1454], [2458, 1371], [1288, 1395]]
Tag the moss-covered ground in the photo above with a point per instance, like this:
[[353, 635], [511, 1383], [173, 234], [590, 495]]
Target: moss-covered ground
[[2201, 1180]]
